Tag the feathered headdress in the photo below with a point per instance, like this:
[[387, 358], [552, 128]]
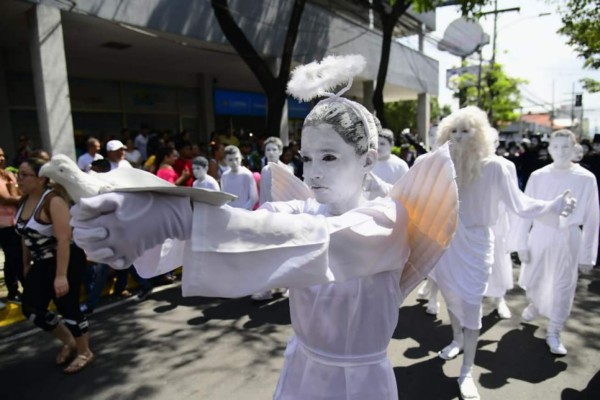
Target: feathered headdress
[[317, 79]]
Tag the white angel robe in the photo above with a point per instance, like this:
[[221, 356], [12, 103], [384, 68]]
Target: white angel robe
[[390, 170], [463, 271], [241, 184], [501, 276], [558, 245]]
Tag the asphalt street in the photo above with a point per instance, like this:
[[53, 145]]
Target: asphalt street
[[170, 347]]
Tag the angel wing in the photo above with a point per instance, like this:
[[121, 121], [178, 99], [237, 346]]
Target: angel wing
[[285, 186], [429, 193]]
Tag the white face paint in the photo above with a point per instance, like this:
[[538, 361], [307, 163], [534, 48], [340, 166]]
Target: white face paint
[[233, 161], [199, 171], [384, 149], [272, 152], [561, 151], [578, 153], [461, 132], [332, 169]]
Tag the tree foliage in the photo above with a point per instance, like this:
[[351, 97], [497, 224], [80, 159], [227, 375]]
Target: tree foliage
[[506, 99], [591, 85], [581, 19], [401, 115]]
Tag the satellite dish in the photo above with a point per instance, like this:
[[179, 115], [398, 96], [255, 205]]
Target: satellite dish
[[463, 37]]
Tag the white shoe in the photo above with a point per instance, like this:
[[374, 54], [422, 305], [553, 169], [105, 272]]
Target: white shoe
[[424, 292], [556, 347], [451, 351], [529, 313], [432, 308], [468, 390], [261, 296], [286, 293], [503, 310]]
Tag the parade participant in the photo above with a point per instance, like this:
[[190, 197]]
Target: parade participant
[[501, 276], [238, 180], [200, 171], [463, 271], [553, 247], [347, 262], [389, 167], [53, 266]]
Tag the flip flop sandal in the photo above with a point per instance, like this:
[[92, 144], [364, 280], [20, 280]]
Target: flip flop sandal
[[65, 354], [78, 363]]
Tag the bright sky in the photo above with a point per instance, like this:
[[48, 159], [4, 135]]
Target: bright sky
[[528, 47]]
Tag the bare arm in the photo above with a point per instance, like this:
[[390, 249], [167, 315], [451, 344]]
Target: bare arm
[[9, 193], [59, 214]]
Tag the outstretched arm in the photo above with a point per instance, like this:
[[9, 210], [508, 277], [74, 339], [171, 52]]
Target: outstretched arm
[[117, 228]]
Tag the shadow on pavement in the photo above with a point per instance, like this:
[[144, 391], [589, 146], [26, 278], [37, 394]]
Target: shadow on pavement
[[592, 391]]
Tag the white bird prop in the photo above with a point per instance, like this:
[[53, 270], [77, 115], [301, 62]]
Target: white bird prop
[[78, 184]]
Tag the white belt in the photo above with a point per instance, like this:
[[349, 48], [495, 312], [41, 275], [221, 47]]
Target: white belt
[[338, 360]]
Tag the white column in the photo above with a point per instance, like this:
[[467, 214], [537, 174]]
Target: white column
[[7, 139], [368, 88], [423, 118], [49, 69]]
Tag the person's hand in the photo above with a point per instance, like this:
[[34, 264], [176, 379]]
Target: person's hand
[[585, 269], [524, 256], [564, 204], [61, 286], [116, 228], [185, 173]]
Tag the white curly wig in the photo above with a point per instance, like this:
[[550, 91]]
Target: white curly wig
[[467, 155]]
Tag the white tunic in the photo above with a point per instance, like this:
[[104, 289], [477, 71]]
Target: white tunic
[[265, 182], [463, 271], [390, 170], [207, 183], [501, 276], [557, 247], [343, 273], [243, 185]]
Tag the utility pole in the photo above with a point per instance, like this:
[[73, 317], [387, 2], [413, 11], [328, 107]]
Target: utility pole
[[490, 78]]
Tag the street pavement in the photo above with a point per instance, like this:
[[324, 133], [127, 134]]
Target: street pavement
[[169, 347]]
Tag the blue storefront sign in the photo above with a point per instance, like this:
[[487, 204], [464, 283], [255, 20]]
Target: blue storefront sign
[[233, 102]]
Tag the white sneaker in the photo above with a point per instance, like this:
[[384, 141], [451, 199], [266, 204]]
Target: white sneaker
[[503, 310], [286, 293], [529, 313], [261, 296], [467, 387], [432, 308], [556, 347], [424, 292], [451, 351]]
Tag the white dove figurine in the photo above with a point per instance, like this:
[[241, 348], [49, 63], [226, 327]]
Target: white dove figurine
[[78, 184]]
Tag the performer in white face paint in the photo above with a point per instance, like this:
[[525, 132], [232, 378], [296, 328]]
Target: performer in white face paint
[[501, 276], [348, 262], [389, 167], [552, 247], [238, 180], [200, 171], [463, 271]]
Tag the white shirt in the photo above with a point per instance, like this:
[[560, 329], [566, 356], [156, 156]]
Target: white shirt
[[207, 183], [84, 162], [243, 185], [120, 164], [140, 142], [390, 170]]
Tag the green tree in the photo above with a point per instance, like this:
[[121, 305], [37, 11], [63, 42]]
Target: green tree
[[506, 99], [389, 13], [403, 114], [581, 19]]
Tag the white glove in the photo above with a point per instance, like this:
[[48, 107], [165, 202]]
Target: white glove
[[564, 204], [116, 228], [585, 268], [524, 256]]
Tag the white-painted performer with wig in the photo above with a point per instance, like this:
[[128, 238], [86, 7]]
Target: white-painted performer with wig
[[348, 262], [463, 271], [552, 249]]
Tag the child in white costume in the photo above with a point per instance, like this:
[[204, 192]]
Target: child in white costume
[[200, 171], [348, 262], [463, 271], [389, 167], [238, 180], [552, 248]]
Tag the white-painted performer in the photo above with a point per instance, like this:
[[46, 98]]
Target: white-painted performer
[[200, 171], [501, 276], [463, 271], [552, 248], [389, 167], [348, 262], [238, 180]]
